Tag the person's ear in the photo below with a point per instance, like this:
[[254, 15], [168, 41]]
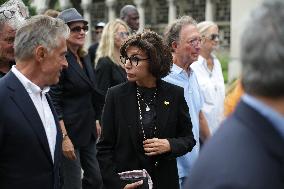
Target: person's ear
[[40, 53], [174, 45]]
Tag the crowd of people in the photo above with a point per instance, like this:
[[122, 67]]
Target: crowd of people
[[138, 109]]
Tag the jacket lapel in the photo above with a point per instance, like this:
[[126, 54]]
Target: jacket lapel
[[22, 99], [72, 62], [131, 109]]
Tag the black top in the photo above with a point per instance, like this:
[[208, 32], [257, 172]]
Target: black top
[[148, 115], [120, 148], [108, 74], [92, 52]]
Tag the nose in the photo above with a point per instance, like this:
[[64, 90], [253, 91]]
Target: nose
[[128, 64], [65, 64]]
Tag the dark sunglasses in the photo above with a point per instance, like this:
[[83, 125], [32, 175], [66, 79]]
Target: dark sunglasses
[[214, 37], [133, 60], [78, 29], [123, 34]]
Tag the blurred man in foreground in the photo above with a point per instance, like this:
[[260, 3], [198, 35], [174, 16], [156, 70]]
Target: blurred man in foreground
[[247, 152]]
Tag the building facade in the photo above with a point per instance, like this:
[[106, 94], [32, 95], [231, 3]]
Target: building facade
[[157, 14]]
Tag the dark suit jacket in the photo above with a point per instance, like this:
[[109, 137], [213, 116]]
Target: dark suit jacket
[[108, 74], [120, 148], [92, 52], [75, 99], [246, 153], [25, 159]]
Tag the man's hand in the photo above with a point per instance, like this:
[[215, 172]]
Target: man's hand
[[133, 185], [68, 148], [156, 146]]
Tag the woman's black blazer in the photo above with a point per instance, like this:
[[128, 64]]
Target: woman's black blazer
[[120, 148], [75, 100]]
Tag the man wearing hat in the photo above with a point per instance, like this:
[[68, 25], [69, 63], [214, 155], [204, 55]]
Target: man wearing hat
[[75, 100], [93, 48]]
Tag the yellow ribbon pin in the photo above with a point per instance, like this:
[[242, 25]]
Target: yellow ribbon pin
[[166, 103]]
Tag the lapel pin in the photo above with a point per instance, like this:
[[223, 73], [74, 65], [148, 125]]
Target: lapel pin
[[166, 103]]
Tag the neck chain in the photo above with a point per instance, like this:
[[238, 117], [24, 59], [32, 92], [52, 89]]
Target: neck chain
[[139, 97], [147, 109]]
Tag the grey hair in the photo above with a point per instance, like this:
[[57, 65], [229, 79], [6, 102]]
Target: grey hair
[[39, 30], [172, 32], [204, 26], [125, 10], [21, 12], [262, 52]]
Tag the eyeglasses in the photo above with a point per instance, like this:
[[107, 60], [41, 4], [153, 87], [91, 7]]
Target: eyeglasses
[[214, 37], [133, 60], [8, 13], [123, 34], [195, 41], [98, 32], [78, 29]]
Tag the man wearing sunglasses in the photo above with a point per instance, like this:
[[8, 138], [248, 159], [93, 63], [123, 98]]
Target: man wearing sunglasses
[[12, 14]]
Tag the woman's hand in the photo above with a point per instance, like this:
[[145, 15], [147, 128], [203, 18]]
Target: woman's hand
[[99, 129], [133, 185], [156, 146], [68, 149]]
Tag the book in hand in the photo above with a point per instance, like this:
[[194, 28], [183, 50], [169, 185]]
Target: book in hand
[[137, 175]]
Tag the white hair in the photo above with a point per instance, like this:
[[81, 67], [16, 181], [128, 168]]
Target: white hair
[[204, 26], [39, 30]]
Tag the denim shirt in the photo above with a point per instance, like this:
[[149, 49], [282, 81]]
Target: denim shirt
[[194, 100]]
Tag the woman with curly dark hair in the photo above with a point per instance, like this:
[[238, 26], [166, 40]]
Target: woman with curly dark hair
[[145, 121]]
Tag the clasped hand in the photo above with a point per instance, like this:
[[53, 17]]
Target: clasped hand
[[155, 146]]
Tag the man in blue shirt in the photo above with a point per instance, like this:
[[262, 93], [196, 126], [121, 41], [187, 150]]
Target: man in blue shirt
[[184, 40], [247, 152]]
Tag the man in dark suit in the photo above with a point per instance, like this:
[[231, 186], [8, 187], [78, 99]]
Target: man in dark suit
[[247, 151], [30, 138]]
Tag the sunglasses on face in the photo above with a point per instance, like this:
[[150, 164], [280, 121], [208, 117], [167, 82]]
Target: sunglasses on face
[[123, 34], [133, 60], [98, 32], [214, 37], [78, 29]]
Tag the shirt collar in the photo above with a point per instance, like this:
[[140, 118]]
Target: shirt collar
[[29, 86], [178, 70], [273, 116]]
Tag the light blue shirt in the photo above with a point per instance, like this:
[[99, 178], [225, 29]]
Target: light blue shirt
[[193, 98], [273, 116]]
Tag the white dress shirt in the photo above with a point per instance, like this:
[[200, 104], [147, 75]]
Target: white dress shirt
[[212, 89], [40, 102]]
